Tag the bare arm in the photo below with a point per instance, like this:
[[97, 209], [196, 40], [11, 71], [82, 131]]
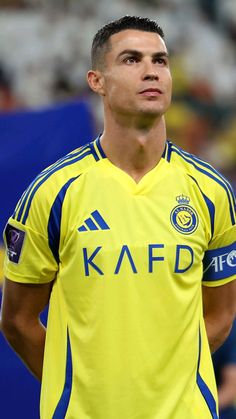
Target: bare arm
[[20, 323], [219, 309]]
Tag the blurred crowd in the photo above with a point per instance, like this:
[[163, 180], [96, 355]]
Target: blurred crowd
[[44, 56]]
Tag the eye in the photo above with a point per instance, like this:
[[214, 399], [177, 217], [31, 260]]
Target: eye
[[130, 60], [161, 61]]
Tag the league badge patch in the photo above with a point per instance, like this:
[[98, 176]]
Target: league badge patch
[[14, 240], [183, 217]]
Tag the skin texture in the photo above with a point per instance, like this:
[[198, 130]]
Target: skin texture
[[136, 62], [219, 307], [135, 86], [20, 323]]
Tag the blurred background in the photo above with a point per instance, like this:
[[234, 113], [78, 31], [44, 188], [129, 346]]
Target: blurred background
[[47, 109]]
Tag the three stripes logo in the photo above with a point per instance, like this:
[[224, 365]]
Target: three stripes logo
[[95, 222]]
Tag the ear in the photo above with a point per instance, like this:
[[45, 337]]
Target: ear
[[96, 81]]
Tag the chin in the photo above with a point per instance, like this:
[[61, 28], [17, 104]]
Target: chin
[[151, 111]]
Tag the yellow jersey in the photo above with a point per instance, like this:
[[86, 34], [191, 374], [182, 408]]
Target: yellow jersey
[[125, 336]]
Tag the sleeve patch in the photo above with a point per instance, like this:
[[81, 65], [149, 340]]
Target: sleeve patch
[[220, 263], [14, 242]]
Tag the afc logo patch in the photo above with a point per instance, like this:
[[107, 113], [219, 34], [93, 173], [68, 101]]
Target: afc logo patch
[[14, 240], [183, 217]]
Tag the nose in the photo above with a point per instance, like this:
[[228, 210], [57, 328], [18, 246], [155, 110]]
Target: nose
[[150, 71]]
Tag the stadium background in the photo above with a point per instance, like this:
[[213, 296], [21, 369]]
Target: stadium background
[[46, 108]]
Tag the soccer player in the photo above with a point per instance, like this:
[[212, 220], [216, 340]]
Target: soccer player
[[131, 240]]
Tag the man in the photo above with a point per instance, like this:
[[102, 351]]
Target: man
[[118, 237]]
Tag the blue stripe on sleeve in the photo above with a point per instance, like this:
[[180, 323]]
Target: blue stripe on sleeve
[[225, 186], [65, 161], [213, 170], [207, 166], [210, 206], [65, 158], [54, 222], [19, 204], [219, 263], [34, 190], [62, 406]]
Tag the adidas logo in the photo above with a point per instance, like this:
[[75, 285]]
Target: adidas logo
[[95, 222]]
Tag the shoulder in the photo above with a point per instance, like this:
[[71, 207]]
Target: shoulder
[[55, 180], [202, 172], [215, 188]]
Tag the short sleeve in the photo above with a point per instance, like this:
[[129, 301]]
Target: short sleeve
[[219, 264], [28, 257]]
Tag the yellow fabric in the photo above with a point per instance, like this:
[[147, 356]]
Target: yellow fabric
[[126, 337], [2, 253]]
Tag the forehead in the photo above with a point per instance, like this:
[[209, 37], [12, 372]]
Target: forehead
[[132, 39]]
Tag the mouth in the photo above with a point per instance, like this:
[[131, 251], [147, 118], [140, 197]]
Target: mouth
[[151, 92]]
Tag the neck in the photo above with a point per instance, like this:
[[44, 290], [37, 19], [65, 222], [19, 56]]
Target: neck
[[136, 148]]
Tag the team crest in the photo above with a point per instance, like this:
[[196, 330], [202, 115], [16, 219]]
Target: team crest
[[183, 217]]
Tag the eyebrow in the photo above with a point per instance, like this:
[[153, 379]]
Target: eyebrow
[[159, 54]]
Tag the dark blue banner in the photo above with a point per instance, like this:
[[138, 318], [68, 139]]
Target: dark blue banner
[[29, 142]]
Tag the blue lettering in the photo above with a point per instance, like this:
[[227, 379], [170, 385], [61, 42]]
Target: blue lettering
[[180, 248], [125, 250], [151, 258], [89, 261]]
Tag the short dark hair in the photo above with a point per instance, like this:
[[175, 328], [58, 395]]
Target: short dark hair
[[101, 39]]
